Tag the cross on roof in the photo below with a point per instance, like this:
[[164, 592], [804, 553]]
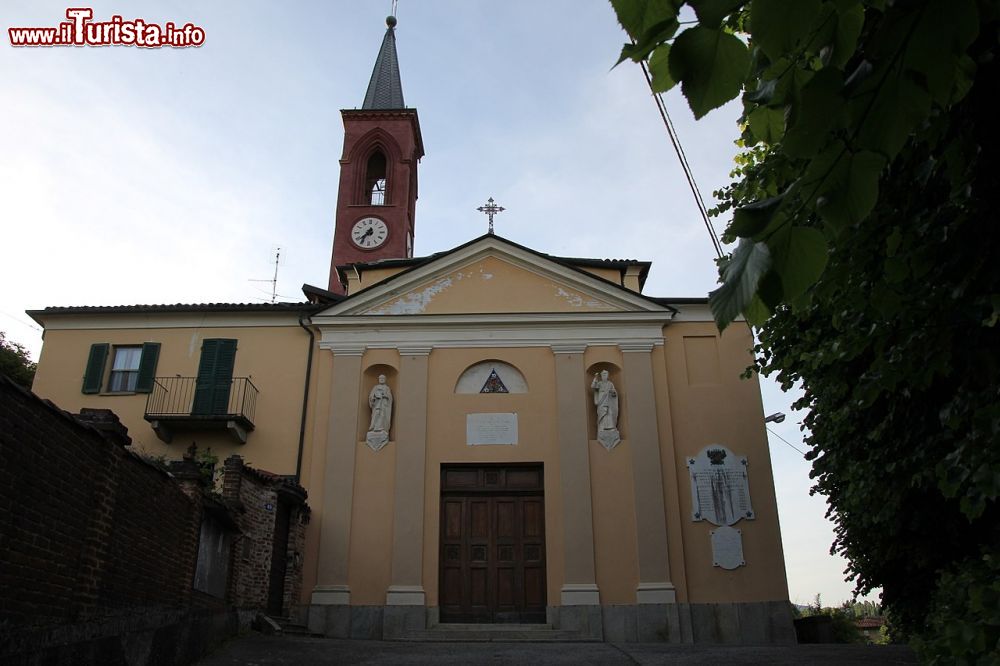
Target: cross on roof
[[491, 209]]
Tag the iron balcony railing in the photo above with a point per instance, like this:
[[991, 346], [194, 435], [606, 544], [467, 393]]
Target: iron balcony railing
[[176, 397]]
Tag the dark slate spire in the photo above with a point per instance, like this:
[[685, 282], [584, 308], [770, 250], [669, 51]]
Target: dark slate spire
[[384, 90]]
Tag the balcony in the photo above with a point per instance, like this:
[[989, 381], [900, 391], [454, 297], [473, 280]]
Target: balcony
[[184, 404]]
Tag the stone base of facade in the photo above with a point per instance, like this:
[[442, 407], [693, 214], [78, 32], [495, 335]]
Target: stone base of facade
[[750, 623]]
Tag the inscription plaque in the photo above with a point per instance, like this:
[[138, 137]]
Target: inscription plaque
[[499, 429], [720, 490], [727, 548]]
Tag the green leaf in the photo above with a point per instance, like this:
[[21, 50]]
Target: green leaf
[[820, 111], [763, 93], [778, 25], [850, 20], [637, 16], [886, 121], [659, 68], [789, 84], [767, 124], [893, 241], [757, 312], [753, 218], [650, 39], [843, 186], [800, 260], [711, 66], [712, 12], [740, 275]]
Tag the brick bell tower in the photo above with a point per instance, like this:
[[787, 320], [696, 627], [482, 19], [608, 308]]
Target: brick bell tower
[[377, 199]]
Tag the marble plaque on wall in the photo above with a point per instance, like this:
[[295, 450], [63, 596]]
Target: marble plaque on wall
[[491, 429], [727, 548], [720, 489]]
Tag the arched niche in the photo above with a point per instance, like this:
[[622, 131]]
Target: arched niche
[[491, 376], [615, 375], [369, 378]]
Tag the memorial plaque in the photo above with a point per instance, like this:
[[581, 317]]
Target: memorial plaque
[[498, 429], [727, 548], [720, 490]]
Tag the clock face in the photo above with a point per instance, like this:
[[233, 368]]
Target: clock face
[[369, 233]]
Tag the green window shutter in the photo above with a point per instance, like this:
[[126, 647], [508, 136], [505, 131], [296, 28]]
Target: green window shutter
[[94, 374], [147, 367], [215, 376]]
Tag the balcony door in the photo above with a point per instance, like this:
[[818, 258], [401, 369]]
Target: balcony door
[[492, 556], [215, 377]]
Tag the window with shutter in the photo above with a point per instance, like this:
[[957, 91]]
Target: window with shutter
[[124, 370], [94, 374], [147, 367], [133, 368], [215, 377]]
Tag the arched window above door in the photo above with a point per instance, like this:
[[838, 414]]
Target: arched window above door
[[491, 377]]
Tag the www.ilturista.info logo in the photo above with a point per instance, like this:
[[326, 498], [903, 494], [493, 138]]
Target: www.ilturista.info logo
[[80, 30]]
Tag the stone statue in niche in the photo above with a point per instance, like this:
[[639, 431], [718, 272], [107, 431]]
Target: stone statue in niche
[[606, 400], [380, 401]]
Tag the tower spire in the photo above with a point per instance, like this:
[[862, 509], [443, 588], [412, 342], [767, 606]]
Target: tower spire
[[385, 90]]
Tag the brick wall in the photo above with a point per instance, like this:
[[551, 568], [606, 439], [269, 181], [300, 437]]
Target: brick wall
[[90, 531], [87, 528], [259, 496]]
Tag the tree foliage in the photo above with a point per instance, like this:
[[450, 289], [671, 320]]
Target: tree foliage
[[865, 248], [15, 362]]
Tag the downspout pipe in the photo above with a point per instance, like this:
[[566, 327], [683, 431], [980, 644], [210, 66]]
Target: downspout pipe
[[305, 397]]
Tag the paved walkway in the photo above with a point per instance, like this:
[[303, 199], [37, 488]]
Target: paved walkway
[[257, 650]]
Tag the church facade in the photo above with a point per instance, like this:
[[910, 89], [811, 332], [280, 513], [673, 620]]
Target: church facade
[[490, 434]]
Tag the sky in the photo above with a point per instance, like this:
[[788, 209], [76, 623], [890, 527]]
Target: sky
[[132, 175]]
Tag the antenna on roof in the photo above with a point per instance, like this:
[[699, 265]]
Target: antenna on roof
[[273, 280]]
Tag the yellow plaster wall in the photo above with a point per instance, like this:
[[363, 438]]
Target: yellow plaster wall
[[446, 439], [710, 404], [372, 276], [273, 357], [371, 524], [609, 274], [492, 285], [613, 494], [314, 460]]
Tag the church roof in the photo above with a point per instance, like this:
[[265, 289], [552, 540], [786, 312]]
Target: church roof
[[385, 90], [573, 262], [169, 307]]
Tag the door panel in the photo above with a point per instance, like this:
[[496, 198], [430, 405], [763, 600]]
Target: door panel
[[492, 556]]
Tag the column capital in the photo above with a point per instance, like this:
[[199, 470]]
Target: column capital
[[342, 349], [568, 349], [414, 351], [635, 347]]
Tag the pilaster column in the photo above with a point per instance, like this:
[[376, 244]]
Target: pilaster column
[[651, 525], [580, 584], [406, 584], [338, 479]]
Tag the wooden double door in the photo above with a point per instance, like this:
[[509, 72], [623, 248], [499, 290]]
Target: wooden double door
[[492, 544]]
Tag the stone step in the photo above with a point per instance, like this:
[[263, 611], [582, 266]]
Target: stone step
[[290, 627], [298, 630], [492, 633]]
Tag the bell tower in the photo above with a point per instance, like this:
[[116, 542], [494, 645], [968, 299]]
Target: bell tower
[[377, 199]]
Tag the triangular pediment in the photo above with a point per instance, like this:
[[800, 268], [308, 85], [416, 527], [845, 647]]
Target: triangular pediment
[[492, 276]]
